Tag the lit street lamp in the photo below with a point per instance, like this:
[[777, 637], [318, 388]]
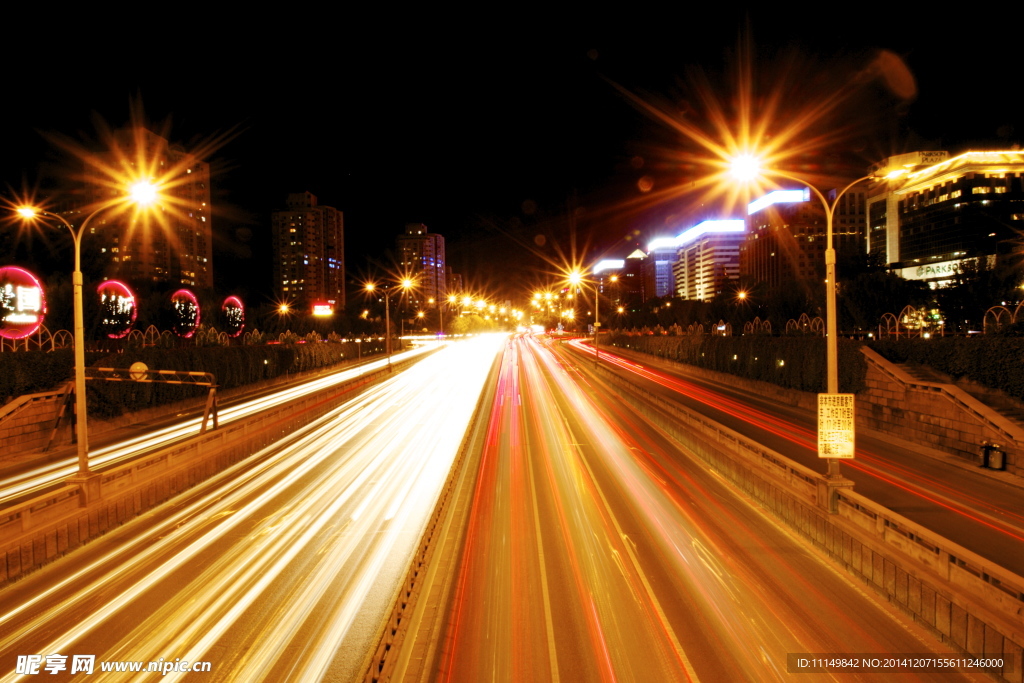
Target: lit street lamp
[[576, 280], [747, 168], [142, 193], [405, 285]]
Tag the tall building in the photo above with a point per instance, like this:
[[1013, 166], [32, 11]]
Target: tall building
[[421, 257], [176, 248], [942, 211], [786, 236], [453, 282], [656, 269], [708, 257], [309, 252], [631, 281]]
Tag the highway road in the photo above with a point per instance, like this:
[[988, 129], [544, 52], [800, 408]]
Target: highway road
[[281, 568], [596, 551], [984, 514], [20, 484]]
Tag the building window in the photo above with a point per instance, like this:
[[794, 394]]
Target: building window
[[981, 190]]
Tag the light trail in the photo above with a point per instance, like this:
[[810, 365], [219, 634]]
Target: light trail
[[935, 491], [22, 484], [279, 568], [628, 561]]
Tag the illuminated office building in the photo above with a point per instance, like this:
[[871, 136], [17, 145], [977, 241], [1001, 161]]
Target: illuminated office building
[[707, 258], [656, 269], [944, 210], [786, 236]]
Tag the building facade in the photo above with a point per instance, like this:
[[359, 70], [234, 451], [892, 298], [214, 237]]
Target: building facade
[[656, 268], [421, 257], [786, 236], [941, 211], [708, 257], [309, 253], [175, 246]]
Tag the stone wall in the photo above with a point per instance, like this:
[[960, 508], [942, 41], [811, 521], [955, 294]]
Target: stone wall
[[27, 422], [941, 416]]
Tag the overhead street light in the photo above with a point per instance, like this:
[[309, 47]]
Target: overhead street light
[[747, 168], [141, 193], [405, 285]]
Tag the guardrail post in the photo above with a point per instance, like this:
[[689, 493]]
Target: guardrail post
[[828, 492], [88, 487]]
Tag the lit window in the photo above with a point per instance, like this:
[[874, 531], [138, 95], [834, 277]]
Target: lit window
[[981, 190], [1000, 189]]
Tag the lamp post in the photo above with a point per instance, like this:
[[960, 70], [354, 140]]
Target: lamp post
[[746, 168], [387, 321], [406, 284], [576, 280], [142, 193]]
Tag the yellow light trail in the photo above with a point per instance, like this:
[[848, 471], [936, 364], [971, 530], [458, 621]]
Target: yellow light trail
[[276, 568]]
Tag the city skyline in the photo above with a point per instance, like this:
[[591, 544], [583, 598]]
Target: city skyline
[[543, 160]]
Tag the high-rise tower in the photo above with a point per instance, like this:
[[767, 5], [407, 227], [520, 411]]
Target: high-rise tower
[[421, 257], [177, 246], [309, 252]]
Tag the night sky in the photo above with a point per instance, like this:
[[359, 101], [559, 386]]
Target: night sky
[[508, 134]]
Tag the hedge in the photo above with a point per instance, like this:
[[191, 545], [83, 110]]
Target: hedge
[[992, 361], [796, 362], [27, 372]]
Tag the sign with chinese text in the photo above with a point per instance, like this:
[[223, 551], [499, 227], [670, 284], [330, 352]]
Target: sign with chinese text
[[234, 316], [117, 308], [836, 417], [22, 304]]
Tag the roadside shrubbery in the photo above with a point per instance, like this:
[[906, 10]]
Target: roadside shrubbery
[[27, 372], [796, 362], [993, 360]]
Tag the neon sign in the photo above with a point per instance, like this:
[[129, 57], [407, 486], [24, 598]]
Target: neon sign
[[117, 308], [185, 313], [22, 304], [234, 316]]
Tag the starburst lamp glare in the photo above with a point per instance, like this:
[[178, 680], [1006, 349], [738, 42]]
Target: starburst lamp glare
[[143, 192], [745, 167]]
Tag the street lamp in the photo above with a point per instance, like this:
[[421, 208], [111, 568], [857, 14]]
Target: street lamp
[[746, 168], [406, 284], [142, 193], [575, 279]]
